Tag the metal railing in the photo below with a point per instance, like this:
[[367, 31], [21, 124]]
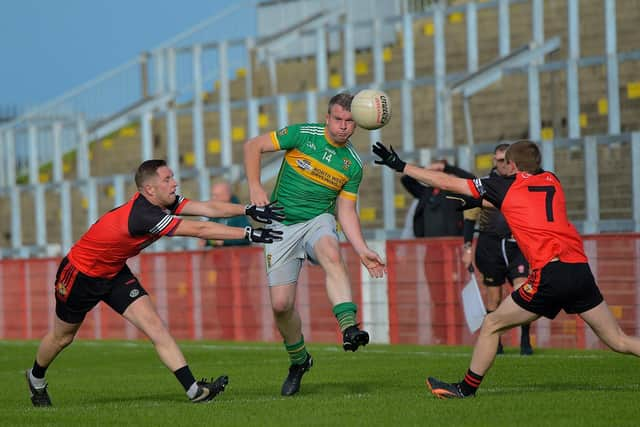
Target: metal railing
[[120, 89]]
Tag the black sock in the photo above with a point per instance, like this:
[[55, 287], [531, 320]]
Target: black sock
[[470, 383], [524, 335], [185, 377], [37, 370]]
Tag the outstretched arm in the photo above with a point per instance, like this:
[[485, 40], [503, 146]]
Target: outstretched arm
[[212, 209], [253, 150], [348, 218], [390, 158], [438, 179], [212, 231]]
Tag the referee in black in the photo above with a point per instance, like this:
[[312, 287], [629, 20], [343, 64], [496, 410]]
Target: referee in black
[[498, 256]]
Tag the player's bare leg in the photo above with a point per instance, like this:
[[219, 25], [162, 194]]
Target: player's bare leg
[[56, 339], [338, 286], [59, 337], [287, 319], [508, 315], [606, 327], [290, 326], [143, 315]]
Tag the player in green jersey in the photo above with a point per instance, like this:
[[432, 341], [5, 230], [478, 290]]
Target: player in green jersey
[[318, 181]]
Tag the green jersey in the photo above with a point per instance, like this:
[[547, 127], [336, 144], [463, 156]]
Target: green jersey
[[314, 172]]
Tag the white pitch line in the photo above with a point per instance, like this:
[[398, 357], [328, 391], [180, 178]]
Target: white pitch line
[[249, 347]]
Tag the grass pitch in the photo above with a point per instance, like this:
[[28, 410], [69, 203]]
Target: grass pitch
[[123, 383]]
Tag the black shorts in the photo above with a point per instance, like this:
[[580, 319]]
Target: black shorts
[[77, 293], [499, 260], [559, 286]]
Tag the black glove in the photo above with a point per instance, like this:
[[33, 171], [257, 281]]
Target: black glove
[[265, 214], [388, 158], [262, 235]]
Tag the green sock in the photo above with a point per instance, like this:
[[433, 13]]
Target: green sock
[[345, 312], [297, 352]]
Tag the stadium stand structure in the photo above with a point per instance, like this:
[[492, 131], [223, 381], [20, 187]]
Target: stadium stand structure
[[196, 107]]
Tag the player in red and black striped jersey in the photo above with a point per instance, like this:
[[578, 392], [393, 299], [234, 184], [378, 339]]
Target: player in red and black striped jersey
[[95, 270], [533, 204]]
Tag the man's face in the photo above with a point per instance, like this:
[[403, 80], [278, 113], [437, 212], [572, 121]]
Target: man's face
[[503, 168], [340, 124], [220, 193], [163, 186]]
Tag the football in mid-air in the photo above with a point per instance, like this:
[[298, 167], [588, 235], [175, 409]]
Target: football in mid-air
[[371, 109]]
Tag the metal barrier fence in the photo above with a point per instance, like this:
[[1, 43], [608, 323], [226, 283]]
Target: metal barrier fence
[[222, 294]]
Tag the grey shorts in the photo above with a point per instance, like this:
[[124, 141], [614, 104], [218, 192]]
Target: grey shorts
[[284, 258]]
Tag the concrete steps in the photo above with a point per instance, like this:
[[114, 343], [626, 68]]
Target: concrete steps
[[499, 112]]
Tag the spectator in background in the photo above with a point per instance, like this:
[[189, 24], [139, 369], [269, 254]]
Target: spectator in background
[[221, 192], [435, 215]]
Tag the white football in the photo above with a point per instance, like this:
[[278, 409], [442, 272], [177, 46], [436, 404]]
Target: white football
[[371, 109]]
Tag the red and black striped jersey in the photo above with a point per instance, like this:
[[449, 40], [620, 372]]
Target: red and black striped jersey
[[534, 206], [121, 234]]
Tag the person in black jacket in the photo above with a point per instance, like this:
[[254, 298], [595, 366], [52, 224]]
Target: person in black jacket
[[436, 215]]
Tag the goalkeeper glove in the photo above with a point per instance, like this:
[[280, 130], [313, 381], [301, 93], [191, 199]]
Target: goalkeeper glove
[[265, 214], [262, 235], [388, 157]]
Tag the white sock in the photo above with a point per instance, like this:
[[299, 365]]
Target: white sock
[[193, 390], [37, 382]]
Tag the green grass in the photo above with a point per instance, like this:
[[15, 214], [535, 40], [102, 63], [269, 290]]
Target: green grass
[[123, 383]]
